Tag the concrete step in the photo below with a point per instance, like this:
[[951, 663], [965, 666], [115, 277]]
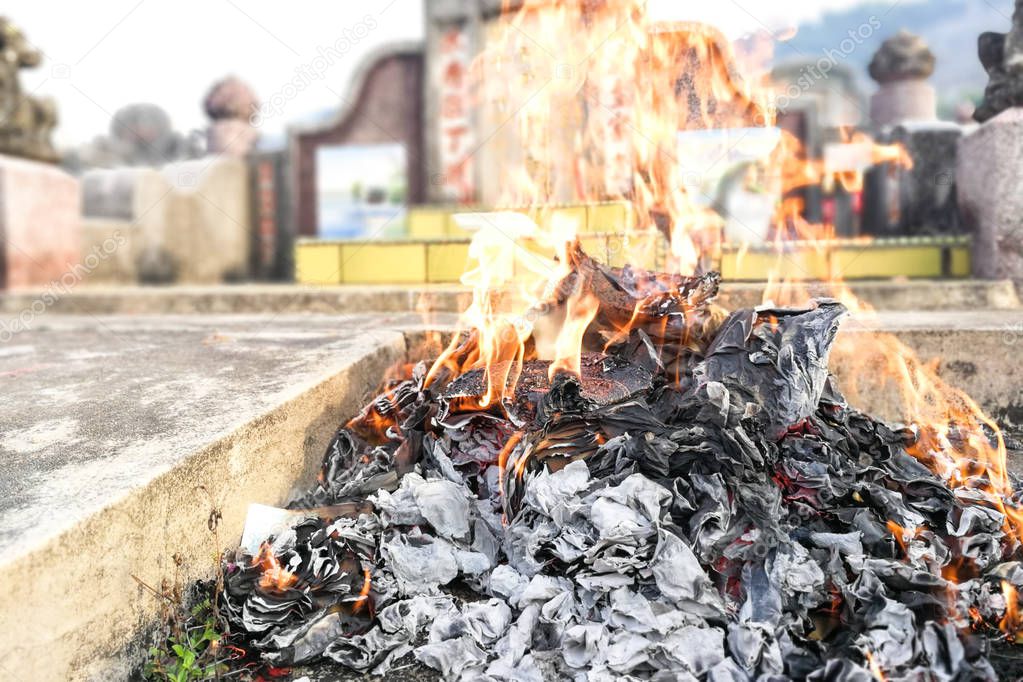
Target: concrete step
[[131, 446], [25, 305]]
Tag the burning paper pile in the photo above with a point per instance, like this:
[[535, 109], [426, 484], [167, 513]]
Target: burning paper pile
[[690, 498]]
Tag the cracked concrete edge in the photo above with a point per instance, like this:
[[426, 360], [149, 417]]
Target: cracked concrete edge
[[72, 609]]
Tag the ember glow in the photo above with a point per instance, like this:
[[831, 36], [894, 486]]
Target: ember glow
[[363, 598]]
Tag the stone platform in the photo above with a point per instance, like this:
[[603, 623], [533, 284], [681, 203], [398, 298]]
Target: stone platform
[[132, 446], [911, 295]]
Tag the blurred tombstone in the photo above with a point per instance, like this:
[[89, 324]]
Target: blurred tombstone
[[989, 171], [817, 99], [919, 200], [230, 105], [140, 134], [26, 121], [109, 193], [193, 222], [109, 211], [383, 106], [40, 228], [901, 67], [272, 240], [39, 222], [186, 222]]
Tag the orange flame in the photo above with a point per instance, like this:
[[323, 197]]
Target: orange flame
[[580, 310], [361, 600], [587, 101], [903, 536], [274, 576], [956, 439], [373, 424], [1011, 624], [875, 668]]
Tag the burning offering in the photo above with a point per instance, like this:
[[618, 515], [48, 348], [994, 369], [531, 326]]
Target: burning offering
[[603, 475], [688, 496]]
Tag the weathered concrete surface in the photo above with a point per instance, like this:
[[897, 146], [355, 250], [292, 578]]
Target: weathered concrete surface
[[976, 352], [242, 298], [913, 295], [122, 438]]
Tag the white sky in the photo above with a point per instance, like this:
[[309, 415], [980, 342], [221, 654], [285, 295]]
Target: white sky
[[100, 56]]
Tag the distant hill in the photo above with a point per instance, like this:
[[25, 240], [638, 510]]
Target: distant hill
[[950, 27]]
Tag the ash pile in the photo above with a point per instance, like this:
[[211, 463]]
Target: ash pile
[[694, 501]]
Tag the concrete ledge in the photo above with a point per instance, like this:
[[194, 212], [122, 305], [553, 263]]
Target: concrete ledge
[[907, 295], [124, 436], [287, 298], [976, 352], [244, 298], [107, 478]]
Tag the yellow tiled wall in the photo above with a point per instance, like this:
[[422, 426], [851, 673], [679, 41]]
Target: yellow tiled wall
[[437, 252], [383, 262], [446, 261], [318, 263]]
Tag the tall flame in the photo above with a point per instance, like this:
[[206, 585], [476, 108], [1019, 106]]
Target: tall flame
[[585, 100], [580, 311]]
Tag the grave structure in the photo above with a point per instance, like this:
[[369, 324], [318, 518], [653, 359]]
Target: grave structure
[[901, 67], [38, 202], [990, 171], [27, 121], [918, 200], [231, 104]]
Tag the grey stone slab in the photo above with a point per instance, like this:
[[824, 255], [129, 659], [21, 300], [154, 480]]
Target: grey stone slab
[[295, 299], [904, 296], [976, 352], [130, 449], [988, 177], [95, 407]]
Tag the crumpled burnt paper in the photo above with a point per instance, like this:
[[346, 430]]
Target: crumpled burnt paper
[[717, 514]]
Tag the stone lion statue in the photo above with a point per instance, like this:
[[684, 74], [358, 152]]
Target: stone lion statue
[[26, 121]]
